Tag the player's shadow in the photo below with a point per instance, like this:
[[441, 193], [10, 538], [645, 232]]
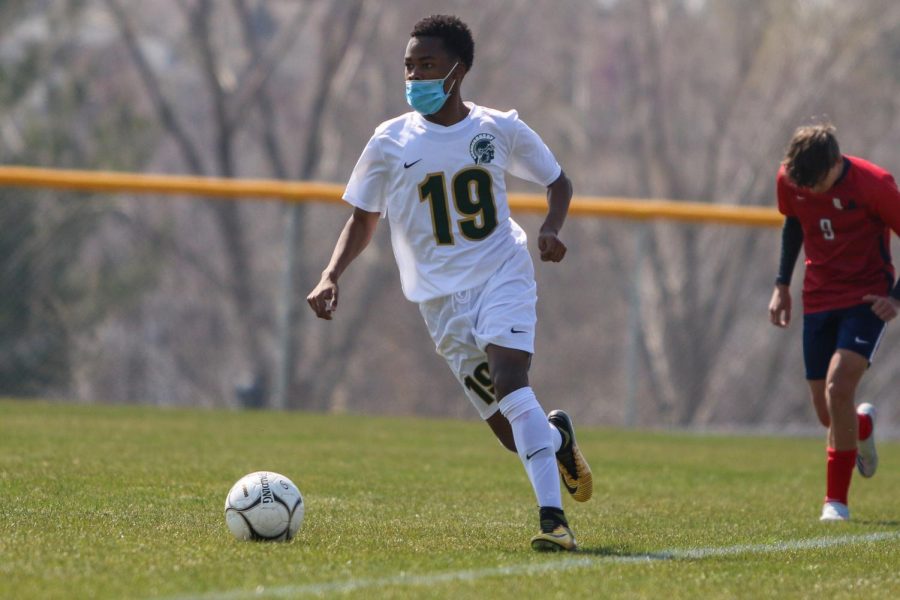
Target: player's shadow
[[622, 553], [877, 523], [627, 555]]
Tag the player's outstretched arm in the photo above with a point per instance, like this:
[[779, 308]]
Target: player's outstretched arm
[[559, 194], [354, 238]]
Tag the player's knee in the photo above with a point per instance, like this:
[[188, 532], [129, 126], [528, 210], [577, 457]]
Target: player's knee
[[508, 379], [839, 392]]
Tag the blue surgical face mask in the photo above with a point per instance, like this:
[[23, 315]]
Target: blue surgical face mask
[[428, 96]]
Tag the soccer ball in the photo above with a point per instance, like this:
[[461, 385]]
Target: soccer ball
[[264, 506]]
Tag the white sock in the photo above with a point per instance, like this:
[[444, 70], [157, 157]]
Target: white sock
[[535, 444]]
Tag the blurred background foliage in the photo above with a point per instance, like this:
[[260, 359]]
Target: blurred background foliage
[[178, 301]]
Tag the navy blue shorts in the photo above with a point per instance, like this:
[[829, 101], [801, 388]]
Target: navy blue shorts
[[855, 328]]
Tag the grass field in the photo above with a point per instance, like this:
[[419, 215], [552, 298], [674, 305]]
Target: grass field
[[125, 502]]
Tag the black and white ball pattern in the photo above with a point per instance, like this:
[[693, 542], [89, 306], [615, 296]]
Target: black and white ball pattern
[[264, 506]]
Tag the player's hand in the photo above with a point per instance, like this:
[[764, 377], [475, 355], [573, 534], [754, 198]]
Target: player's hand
[[552, 248], [780, 306], [324, 299], [884, 307]]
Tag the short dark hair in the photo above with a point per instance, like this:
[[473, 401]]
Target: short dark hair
[[455, 34], [813, 151]]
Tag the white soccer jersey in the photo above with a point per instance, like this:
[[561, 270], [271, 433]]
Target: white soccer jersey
[[443, 189]]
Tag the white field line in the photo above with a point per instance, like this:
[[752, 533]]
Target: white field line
[[567, 563]]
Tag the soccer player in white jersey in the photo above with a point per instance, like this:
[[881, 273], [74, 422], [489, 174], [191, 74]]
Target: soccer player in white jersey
[[438, 175]]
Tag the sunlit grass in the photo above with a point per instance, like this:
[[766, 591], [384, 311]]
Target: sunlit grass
[[113, 502]]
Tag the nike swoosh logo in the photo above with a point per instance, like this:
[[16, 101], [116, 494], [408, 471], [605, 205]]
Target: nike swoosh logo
[[859, 341], [514, 330], [407, 165], [536, 452]]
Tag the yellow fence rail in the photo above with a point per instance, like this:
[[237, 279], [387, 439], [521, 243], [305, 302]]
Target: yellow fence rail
[[306, 191]]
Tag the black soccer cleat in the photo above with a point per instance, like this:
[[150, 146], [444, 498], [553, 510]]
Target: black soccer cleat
[[573, 468]]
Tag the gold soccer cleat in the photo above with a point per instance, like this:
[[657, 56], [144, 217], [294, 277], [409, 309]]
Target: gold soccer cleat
[[561, 538], [573, 468]]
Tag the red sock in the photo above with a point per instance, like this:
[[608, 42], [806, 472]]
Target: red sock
[[865, 426], [838, 473]]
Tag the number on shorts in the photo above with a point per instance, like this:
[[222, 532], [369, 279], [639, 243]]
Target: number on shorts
[[827, 229], [480, 383]]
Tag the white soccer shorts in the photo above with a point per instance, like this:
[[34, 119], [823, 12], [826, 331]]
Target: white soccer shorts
[[501, 311]]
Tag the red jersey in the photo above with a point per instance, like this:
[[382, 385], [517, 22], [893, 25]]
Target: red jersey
[[846, 234]]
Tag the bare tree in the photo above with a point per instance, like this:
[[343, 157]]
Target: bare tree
[[232, 95], [653, 98], [688, 120]]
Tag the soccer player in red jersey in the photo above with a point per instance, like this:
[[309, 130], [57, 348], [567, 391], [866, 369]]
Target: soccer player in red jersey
[[840, 210]]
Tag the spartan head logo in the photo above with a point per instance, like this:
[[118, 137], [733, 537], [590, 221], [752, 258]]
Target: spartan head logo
[[482, 148]]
